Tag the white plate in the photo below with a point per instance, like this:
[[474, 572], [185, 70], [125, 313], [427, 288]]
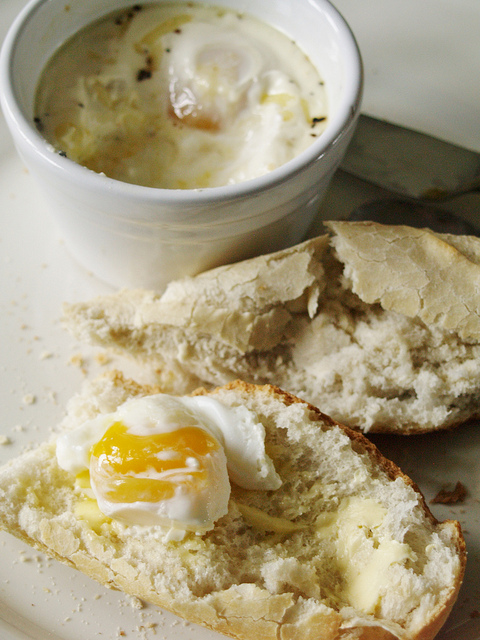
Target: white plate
[[421, 63]]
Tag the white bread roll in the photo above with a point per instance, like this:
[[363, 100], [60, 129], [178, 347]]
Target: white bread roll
[[378, 325], [345, 548]]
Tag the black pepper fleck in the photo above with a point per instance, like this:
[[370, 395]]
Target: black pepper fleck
[[143, 74], [128, 15], [38, 123], [146, 72]]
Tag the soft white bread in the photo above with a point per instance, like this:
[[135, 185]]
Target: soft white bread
[[345, 548], [378, 325]]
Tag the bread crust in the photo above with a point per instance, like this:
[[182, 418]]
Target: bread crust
[[380, 325], [244, 609], [438, 280]]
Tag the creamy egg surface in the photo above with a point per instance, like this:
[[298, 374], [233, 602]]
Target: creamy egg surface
[[180, 96], [168, 461]]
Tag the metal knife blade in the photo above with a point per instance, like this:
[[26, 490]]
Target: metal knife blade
[[410, 163], [414, 214]]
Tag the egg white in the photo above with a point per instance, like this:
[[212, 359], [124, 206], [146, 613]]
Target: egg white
[[212, 70]]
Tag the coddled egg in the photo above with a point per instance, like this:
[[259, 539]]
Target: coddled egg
[[167, 460]]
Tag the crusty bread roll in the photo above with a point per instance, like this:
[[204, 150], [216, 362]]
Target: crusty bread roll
[[345, 548], [378, 325]]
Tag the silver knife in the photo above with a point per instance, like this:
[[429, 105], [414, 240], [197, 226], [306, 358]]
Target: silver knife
[[410, 163]]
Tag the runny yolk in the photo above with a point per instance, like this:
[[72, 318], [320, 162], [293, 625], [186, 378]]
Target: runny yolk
[[130, 468]]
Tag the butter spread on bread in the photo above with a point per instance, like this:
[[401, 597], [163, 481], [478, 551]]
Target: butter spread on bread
[[345, 547], [378, 325]]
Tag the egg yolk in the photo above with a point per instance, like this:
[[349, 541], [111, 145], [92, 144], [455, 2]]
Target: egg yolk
[[150, 468]]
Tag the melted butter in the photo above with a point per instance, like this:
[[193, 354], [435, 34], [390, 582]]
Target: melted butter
[[82, 483], [262, 521], [86, 508], [364, 552]]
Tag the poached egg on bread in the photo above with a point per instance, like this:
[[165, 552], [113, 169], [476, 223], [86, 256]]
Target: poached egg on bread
[[167, 460]]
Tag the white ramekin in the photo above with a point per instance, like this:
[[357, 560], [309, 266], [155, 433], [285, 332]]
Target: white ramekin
[[133, 236]]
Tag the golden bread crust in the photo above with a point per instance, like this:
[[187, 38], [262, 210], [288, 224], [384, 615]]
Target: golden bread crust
[[241, 607], [378, 325]]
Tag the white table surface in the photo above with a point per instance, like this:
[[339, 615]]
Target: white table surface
[[422, 62]]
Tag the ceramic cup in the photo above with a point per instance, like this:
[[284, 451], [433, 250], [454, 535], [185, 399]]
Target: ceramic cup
[[135, 236]]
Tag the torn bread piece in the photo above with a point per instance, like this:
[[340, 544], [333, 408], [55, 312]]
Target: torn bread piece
[[379, 325], [344, 547]]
